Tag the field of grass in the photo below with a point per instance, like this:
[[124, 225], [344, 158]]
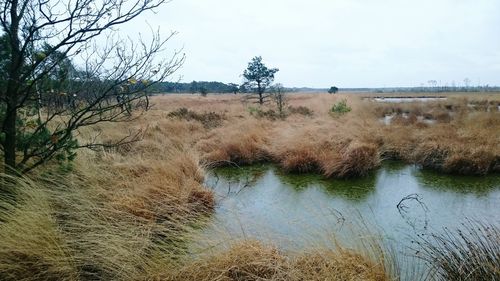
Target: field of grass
[[127, 213], [462, 139]]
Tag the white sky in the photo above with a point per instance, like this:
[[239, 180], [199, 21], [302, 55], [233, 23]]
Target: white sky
[[348, 43]]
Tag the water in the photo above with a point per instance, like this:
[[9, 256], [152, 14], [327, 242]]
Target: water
[[387, 120], [295, 211], [408, 99]]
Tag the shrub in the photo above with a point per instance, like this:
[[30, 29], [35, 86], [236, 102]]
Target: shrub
[[341, 107], [203, 92], [333, 90]]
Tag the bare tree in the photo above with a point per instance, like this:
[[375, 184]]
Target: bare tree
[[59, 80], [467, 83], [280, 99], [432, 84]]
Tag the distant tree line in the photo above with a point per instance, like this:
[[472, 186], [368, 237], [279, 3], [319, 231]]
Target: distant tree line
[[422, 89], [195, 87], [200, 87]]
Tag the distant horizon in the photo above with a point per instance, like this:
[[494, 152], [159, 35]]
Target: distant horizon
[[348, 43], [340, 87]]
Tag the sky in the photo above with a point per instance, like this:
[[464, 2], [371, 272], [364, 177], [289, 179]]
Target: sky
[[347, 43]]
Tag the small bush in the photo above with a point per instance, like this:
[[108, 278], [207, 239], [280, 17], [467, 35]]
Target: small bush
[[341, 108], [203, 92], [208, 119]]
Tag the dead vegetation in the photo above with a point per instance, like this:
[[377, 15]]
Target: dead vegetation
[[208, 119], [446, 135], [255, 261], [126, 213], [470, 252]]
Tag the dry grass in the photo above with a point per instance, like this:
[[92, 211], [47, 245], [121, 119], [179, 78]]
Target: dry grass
[[126, 213], [255, 261], [31, 245], [78, 228], [240, 143], [471, 252], [208, 119], [57, 230], [463, 139]]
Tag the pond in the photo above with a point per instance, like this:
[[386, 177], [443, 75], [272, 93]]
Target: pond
[[408, 99], [298, 210]]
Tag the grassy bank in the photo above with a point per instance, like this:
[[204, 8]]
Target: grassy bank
[[127, 213], [458, 135]]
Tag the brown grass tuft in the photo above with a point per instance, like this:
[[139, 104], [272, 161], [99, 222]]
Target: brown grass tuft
[[255, 261], [208, 119], [32, 247], [476, 162], [331, 265], [357, 160], [242, 144]]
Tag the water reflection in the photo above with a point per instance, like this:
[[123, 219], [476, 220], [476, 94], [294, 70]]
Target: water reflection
[[263, 202], [408, 99], [480, 186], [296, 211], [353, 189]]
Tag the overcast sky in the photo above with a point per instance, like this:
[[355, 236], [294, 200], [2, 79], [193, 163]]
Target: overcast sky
[[348, 43]]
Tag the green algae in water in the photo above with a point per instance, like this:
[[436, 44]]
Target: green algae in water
[[351, 189], [297, 211], [265, 201], [479, 185]]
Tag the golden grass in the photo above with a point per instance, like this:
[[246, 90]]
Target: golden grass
[[252, 260], [126, 213], [59, 229], [241, 143], [354, 144], [31, 245]]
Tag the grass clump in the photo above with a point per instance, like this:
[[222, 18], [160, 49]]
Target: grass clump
[[300, 110], [270, 114], [273, 115], [357, 160], [208, 119], [226, 146], [340, 108], [471, 252], [250, 260], [32, 247], [477, 162]]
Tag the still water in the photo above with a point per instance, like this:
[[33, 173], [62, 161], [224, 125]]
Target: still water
[[408, 99], [292, 211]]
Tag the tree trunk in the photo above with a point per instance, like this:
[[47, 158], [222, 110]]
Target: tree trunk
[[16, 62], [9, 130], [260, 92]]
